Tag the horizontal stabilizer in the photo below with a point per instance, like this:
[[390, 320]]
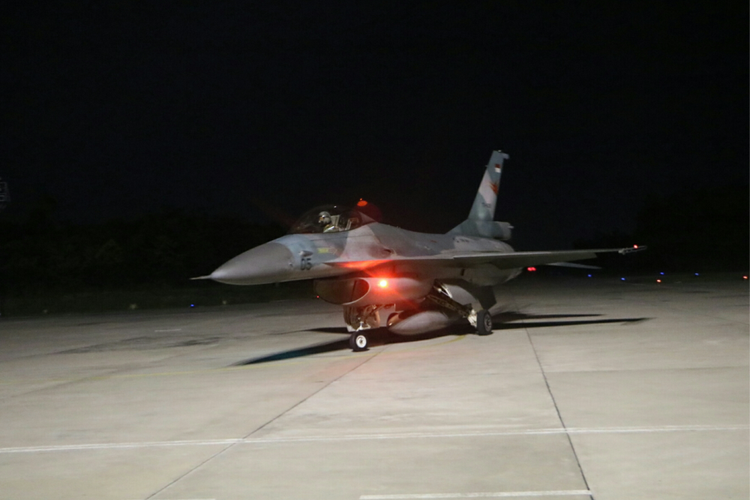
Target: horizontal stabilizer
[[484, 229]]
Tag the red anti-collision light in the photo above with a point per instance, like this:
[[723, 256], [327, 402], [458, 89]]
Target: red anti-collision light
[[383, 283], [531, 269]]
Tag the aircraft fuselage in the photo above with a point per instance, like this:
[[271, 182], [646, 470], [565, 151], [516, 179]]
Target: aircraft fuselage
[[416, 282], [377, 249]]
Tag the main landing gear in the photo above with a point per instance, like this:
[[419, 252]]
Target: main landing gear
[[484, 323], [481, 320], [358, 341]]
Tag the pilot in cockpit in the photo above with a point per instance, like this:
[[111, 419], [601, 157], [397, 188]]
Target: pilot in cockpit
[[324, 220]]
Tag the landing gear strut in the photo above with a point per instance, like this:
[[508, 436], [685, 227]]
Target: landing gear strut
[[484, 323], [358, 341], [481, 320]]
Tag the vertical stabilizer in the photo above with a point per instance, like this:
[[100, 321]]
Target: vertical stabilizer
[[481, 218], [484, 204]]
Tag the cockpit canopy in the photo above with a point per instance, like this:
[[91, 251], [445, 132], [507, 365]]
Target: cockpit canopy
[[330, 219]]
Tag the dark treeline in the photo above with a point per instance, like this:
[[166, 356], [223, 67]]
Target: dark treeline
[[40, 255], [698, 230], [691, 231]]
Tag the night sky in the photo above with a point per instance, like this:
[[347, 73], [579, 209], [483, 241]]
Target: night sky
[[264, 110]]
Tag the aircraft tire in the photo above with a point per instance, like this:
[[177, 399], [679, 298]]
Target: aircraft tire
[[484, 323], [358, 341]]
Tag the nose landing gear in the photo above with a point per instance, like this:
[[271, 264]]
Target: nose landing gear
[[358, 341]]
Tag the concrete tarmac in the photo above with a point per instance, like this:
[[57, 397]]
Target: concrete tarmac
[[588, 389]]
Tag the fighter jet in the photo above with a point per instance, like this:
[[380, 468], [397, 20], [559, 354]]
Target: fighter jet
[[405, 281]]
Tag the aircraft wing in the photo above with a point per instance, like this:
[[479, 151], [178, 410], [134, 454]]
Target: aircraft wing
[[524, 259], [501, 260]]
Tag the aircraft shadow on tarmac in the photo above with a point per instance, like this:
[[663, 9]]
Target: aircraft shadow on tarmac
[[381, 336]]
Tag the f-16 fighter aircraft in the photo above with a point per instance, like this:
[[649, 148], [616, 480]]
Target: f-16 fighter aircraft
[[384, 276]]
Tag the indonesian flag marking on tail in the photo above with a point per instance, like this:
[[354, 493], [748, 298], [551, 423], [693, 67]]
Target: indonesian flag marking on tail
[[498, 167]]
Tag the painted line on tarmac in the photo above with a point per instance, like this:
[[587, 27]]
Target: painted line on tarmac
[[496, 494], [119, 446], [664, 428], [531, 432], [368, 437]]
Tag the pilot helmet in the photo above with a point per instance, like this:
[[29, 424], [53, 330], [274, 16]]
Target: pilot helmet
[[324, 218]]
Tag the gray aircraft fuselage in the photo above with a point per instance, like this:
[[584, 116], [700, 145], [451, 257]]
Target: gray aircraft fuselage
[[374, 247], [386, 276]]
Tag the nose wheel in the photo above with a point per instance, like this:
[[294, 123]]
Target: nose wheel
[[358, 341]]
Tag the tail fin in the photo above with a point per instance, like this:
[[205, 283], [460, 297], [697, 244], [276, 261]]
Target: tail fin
[[480, 221], [484, 204]]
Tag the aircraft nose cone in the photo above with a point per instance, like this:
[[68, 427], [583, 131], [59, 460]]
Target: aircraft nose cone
[[267, 263]]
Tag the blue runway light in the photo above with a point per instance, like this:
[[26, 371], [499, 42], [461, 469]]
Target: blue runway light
[[697, 274], [589, 275], [622, 279], [662, 273], [192, 305]]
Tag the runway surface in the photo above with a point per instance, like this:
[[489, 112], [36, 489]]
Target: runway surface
[[587, 389]]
